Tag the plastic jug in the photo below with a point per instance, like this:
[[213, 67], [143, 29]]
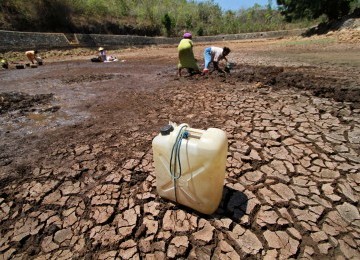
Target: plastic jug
[[190, 166]]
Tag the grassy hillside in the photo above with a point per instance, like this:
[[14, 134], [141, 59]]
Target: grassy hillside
[[140, 17]]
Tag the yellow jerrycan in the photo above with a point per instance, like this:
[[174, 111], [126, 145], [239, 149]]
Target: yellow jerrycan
[[190, 166]]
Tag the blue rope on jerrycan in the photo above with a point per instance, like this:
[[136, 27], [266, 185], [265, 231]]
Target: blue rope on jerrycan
[[175, 156]]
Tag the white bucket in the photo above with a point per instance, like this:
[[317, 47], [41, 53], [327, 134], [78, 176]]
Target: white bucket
[[190, 166]]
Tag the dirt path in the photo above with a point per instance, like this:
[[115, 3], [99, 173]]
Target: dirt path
[[76, 169]]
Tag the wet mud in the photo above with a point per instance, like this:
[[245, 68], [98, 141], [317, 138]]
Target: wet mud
[[10, 101], [309, 78]]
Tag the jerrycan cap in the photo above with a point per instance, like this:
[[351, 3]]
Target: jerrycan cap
[[166, 130]]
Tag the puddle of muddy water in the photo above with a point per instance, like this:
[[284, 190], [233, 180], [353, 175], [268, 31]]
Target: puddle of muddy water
[[30, 108], [18, 122], [28, 123]]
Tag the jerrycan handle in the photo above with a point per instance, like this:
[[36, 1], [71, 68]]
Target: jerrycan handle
[[195, 133]]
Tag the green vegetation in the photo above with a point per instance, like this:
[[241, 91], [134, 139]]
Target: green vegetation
[[332, 9], [143, 17]]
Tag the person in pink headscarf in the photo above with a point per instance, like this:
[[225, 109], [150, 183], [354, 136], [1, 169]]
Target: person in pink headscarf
[[186, 55]]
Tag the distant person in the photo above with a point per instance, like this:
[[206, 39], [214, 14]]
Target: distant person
[[186, 55], [103, 57], [214, 55], [102, 54], [4, 63], [33, 56]]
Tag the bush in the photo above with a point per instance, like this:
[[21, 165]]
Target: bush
[[141, 17]]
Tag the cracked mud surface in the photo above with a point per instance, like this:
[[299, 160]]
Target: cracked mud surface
[[76, 168]]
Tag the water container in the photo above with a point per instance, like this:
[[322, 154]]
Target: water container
[[190, 166]]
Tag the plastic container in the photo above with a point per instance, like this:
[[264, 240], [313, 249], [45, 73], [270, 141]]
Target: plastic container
[[190, 166], [39, 60], [20, 66]]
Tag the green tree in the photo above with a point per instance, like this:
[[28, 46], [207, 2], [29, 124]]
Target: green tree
[[54, 15], [148, 17], [312, 9], [168, 23]]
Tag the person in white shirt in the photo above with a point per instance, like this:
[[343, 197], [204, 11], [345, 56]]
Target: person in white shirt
[[33, 56], [214, 55], [102, 54]]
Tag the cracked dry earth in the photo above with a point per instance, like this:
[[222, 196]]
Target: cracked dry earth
[[76, 167]]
